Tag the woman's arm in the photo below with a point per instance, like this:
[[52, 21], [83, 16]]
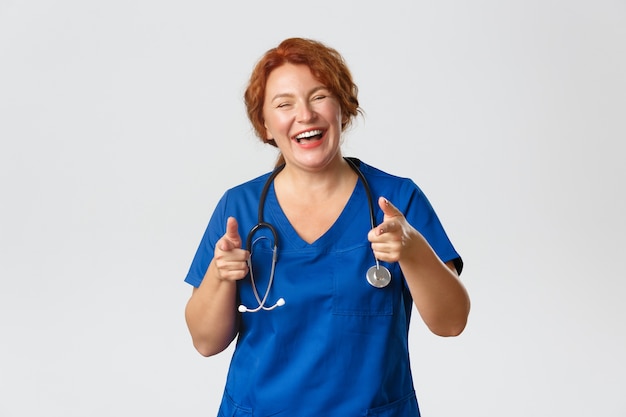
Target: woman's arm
[[211, 312], [440, 297]]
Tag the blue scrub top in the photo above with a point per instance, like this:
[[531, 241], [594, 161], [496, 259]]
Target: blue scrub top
[[338, 347]]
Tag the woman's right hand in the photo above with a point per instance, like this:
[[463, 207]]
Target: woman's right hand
[[211, 312], [231, 261]]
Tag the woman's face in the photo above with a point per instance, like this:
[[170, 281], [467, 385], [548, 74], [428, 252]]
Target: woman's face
[[302, 116]]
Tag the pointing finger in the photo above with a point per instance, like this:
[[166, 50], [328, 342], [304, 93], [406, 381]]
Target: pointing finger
[[232, 231], [389, 210], [231, 240]]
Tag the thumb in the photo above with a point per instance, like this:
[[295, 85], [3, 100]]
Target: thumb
[[231, 240], [389, 210]]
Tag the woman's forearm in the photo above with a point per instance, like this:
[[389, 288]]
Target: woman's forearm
[[440, 297], [211, 314]]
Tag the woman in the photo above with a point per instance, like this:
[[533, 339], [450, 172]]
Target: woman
[[338, 346]]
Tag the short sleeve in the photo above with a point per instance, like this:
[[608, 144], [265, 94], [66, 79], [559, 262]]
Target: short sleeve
[[421, 215], [204, 254]]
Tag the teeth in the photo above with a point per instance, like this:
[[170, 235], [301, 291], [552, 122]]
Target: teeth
[[308, 134]]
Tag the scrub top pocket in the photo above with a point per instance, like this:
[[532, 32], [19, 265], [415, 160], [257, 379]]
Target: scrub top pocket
[[404, 407], [228, 408], [352, 294]]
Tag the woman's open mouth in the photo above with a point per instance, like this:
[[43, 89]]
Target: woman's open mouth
[[310, 135]]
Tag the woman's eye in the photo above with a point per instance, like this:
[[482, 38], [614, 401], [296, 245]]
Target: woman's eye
[[319, 97]]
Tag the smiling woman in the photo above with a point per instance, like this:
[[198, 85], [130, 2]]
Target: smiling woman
[[301, 98], [301, 115], [326, 65]]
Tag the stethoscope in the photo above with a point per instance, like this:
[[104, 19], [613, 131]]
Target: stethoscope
[[377, 275]]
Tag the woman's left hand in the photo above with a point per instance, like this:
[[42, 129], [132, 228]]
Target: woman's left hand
[[439, 296], [393, 237]]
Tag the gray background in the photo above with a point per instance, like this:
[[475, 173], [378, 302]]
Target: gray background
[[122, 123]]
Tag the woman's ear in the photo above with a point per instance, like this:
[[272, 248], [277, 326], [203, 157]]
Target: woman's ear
[[344, 121], [268, 134]]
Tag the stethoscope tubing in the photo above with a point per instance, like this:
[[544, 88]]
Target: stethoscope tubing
[[377, 276]]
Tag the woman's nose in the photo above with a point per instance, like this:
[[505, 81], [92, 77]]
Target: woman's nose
[[306, 113]]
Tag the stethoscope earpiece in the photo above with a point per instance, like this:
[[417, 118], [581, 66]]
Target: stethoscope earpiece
[[279, 303]]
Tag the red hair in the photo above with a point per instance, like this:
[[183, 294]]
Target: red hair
[[326, 65]]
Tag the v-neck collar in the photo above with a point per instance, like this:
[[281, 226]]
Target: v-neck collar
[[291, 240]]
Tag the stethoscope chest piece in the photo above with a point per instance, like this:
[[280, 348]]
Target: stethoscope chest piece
[[378, 276]]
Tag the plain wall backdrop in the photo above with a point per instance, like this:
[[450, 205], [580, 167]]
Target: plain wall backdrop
[[122, 123]]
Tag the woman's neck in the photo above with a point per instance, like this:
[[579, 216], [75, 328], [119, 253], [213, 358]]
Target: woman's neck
[[321, 184]]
